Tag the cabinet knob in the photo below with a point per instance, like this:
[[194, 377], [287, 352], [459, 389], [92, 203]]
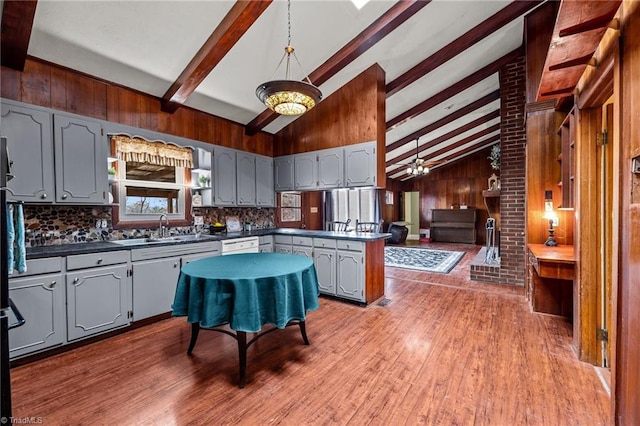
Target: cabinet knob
[[76, 280], [52, 285], [64, 196], [99, 261], [175, 265], [43, 196]]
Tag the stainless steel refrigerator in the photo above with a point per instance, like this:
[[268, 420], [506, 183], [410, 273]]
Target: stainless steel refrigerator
[[362, 204], [7, 308]]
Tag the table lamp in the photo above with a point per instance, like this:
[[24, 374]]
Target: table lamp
[[551, 216]]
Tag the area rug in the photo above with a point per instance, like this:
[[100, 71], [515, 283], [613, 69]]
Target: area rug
[[441, 261]]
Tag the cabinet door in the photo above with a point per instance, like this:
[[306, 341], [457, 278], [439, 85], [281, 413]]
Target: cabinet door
[[266, 248], [330, 168], [246, 178], [360, 164], [302, 251], [40, 300], [224, 176], [80, 161], [306, 171], [265, 194], [350, 275], [98, 299], [325, 262], [154, 286], [30, 148], [283, 173]]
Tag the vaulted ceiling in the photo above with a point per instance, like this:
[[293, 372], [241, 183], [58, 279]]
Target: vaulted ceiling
[[441, 58]]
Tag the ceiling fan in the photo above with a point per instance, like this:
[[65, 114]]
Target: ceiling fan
[[418, 166]]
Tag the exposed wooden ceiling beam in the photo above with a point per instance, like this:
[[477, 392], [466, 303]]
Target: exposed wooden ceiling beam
[[485, 100], [17, 23], [461, 154], [392, 19], [241, 16], [445, 138], [458, 87], [468, 39]]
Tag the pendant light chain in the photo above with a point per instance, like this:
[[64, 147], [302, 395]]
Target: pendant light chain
[[289, 22]]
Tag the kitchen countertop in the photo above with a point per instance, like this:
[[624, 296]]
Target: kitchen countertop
[[104, 246]]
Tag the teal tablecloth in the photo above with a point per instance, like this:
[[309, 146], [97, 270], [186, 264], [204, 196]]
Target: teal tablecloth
[[247, 290]]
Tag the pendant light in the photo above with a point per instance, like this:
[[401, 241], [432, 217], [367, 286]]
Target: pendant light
[[289, 97], [418, 166]]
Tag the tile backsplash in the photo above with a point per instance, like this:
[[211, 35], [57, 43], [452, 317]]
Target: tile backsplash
[[52, 225]]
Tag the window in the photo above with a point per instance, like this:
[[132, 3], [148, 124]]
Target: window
[[150, 180], [290, 207]]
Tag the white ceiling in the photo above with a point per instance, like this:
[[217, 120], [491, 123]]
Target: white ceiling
[[145, 45]]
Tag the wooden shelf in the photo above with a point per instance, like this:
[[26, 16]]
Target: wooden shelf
[[488, 193]]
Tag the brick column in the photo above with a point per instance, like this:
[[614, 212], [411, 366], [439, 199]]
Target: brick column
[[513, 139]]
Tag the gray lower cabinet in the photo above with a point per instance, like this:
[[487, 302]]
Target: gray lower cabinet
[[80, 165], [282, 248], [246, 179], [154, 286], [30, 146], [283, 243], [265, 193], [283, 173], [302, 246], [98, 300], [324, 260], [360, 164], [265, 244], [40, 300], [224, 176], [350, 270]]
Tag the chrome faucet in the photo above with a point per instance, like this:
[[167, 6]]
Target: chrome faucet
[[163, 229]]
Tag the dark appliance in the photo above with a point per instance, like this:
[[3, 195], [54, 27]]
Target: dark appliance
[[7, 308]]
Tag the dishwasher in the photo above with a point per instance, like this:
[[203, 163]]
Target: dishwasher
[[240, 245]]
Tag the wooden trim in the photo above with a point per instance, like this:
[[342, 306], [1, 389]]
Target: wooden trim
[[242, 15], [392, 19], [374, 273], [458, 87], [540, 106], [17, 24], [468, 39], [600, 86]]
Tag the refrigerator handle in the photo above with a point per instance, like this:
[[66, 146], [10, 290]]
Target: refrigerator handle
[[20, 319]]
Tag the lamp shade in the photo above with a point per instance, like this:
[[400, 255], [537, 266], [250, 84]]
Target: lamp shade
[[288, 97]]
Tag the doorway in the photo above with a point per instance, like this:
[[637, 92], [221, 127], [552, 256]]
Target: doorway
[[411, 213]]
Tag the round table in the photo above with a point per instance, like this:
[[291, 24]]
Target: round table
[[246, 291]]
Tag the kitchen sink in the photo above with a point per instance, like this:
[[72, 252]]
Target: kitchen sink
[[172, 239]]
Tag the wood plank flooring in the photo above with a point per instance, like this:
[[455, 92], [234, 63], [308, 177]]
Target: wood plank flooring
[[444, 351]]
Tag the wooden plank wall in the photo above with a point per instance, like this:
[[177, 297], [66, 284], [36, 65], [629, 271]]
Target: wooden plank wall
[[461, 183], [626, 372], [52, 86]]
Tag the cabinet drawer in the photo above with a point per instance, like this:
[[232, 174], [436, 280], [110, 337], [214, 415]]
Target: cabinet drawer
[[303, 241], [91, 260], [284, 239], [324, 242], [149, 253], [41, 266], [350, 245]]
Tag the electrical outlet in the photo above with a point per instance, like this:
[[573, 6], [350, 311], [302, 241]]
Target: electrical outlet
[[198, 220], [98, 223], [104, 223]]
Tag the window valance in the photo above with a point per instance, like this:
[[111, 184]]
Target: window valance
[[160, 153]]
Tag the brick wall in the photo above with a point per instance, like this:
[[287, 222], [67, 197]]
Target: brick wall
[[512, 173]]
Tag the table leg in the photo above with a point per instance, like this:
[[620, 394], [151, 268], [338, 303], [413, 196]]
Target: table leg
[[303, 330], [195, 329], [242, 355]]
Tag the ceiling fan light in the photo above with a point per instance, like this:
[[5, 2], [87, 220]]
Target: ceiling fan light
[[420, 169], [425, 170], [415, 172], [409, 170]]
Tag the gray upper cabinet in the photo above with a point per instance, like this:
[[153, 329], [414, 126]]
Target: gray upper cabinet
[[246, 178], [331, 168], [30, 146], [80, 165], [224, 176], [306, 171], [283, 173], [265, 194], [360, 164]]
